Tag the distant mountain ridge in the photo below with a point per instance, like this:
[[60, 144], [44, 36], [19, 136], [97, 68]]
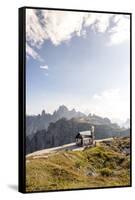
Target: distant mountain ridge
[[122, 123], [64, 131], [51, 130], [40, 122]]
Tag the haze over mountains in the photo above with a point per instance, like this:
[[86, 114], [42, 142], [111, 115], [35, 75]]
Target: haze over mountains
[[125, 124], [39, 122], [61, 127]]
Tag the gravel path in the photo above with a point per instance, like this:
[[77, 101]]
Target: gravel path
[[71, 146]]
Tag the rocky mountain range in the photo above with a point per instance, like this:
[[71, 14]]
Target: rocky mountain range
[[40, 122], [46, 130]]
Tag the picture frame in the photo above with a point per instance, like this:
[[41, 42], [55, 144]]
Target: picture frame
[[116, 154]]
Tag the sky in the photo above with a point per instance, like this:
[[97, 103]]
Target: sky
[[80, 60]]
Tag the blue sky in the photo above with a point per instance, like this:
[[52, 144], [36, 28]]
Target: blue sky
[[79, 60]]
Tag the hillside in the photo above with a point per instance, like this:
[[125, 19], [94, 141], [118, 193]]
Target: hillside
[[107, 164]]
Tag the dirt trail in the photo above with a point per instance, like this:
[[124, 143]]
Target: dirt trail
[[70, 146]]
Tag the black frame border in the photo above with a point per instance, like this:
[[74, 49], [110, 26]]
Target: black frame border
[[21, 103], [22, 98]]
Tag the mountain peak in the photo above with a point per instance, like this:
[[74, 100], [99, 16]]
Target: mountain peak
[[43, 113], [63, 108]]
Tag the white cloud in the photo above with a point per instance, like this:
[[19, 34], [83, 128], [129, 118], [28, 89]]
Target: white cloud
[[121, 30], [111, 95], [111, 103], [35, 33], [31, 52], [98, 22], [44, 67], [61, 26]]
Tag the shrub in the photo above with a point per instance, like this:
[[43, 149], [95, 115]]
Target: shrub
[[78, 164], [106, 172]]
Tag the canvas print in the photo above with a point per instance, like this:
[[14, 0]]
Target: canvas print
[[77, 120]]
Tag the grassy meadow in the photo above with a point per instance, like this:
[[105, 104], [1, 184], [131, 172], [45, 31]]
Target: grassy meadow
[[107, 164]]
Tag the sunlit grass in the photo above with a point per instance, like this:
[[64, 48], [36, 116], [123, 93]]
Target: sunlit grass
[[100, 166]]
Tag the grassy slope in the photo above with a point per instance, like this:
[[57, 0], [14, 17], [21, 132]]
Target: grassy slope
[[100, 166]]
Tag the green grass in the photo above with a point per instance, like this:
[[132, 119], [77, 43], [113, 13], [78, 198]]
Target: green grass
[[100, 166]]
